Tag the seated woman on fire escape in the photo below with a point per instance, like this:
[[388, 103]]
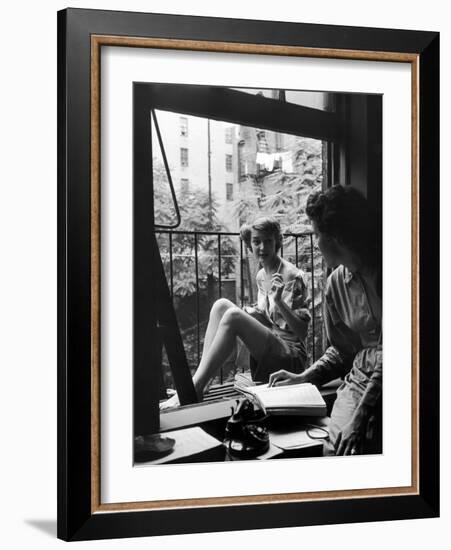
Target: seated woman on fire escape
[[273, 331]]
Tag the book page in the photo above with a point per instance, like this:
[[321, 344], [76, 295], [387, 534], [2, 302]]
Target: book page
[[299, 395]]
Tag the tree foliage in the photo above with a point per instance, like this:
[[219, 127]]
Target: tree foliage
[[284, 195], [198, 214]]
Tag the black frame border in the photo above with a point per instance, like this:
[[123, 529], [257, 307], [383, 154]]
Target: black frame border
[[75, 519]]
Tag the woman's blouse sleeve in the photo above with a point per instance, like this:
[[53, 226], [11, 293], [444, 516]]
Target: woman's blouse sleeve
[[336, 361]]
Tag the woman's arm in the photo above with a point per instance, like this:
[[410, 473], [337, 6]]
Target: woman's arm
[[352, 435], [298, 322], [328, 367], [298, 317], [336, 361]]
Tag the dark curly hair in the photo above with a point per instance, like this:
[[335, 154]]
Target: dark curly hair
[[266, 224], [344, 213]]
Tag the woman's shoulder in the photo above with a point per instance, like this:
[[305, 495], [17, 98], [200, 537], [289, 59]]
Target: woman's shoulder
[[339, 275], [337, 280]]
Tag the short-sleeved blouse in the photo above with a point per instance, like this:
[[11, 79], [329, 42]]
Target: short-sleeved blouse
[[295, 294]]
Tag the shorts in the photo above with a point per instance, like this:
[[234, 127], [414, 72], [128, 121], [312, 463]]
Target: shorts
[[278, 354]]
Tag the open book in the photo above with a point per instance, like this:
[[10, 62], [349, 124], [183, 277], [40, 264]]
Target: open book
[[295, 399]]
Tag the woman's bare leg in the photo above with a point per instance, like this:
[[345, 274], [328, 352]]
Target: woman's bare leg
[[217, 311], [234, 322]]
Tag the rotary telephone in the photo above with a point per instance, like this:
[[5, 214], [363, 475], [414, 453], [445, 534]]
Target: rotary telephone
[[246, 435]]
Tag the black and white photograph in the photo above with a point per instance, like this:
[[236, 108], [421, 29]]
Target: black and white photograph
[[257, 274]]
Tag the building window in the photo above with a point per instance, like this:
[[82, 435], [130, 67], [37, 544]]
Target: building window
[[229, 191], [183, 156], [183, 126], [229, 164], [184, 185], [229, 135], [262, 143]]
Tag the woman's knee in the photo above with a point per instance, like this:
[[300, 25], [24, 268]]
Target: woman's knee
[[221, 306], [233, 316]]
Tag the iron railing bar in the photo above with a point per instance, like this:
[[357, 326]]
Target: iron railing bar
[[221, 373], [313, 296], [171, 269], [197, 297], [190, 256], [190, 232], [296, 245], [223, 233], [219, 266], [241, 274]]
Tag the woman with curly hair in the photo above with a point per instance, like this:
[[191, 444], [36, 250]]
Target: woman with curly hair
[[349, 238], [274, 330]]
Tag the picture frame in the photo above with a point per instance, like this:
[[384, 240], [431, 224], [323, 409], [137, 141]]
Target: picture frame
[[81, 36]]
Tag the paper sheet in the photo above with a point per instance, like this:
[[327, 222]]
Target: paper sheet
[[188, 441], [289, 438]]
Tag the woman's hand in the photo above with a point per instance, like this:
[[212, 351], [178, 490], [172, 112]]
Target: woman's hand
[[277, 286], [351, 437], [284, 377]]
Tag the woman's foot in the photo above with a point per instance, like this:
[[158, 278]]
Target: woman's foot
[[170, 403], [174, 401]]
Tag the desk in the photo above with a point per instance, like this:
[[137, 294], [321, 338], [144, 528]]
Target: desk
[[288, 439], [212, 418]]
